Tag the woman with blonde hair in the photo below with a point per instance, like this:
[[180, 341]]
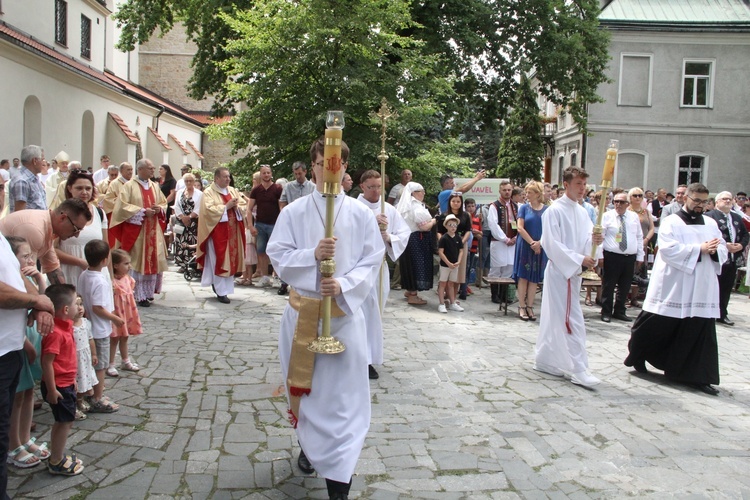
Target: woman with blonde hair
[[530, 260], [635, 196]]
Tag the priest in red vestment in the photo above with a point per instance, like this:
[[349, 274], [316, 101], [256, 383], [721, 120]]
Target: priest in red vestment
[[138, 223], [221, 235]]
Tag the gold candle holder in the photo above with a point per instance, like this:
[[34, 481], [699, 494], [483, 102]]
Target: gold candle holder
[[607, 178], [326, 343]]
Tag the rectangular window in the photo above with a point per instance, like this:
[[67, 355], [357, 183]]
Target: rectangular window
[[690, 169], [697, 83], [61, 22], [636, 71], [85, 37]]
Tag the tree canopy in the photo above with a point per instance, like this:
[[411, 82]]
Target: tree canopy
[[449, 67]]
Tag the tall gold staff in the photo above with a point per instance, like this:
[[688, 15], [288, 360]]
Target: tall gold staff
[[607, 177], [385, 113], [325, 343]]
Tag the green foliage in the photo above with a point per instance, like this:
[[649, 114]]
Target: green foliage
[[449, 67], [521, 149]]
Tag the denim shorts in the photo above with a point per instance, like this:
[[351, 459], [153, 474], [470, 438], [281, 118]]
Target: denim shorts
[[264, 234]]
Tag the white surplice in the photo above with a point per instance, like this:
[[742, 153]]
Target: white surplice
[[680, 286], [399, 232], [334, 418], [501, 254], [566, 238]]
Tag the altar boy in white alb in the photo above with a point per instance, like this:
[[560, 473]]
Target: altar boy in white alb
[[329, 394], [676, 330], [567, 238], [396, 237]]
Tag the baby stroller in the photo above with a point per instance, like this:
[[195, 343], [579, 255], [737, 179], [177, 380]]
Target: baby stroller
[[191, 269]]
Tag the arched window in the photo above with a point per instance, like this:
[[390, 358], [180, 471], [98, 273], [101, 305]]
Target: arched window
[[573, 159], [32, 121], [87, 139]]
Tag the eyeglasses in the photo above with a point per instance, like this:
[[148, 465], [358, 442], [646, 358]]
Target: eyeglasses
[[78, 229], [623, 202], [371, 188], [698, 201], [636, 195]]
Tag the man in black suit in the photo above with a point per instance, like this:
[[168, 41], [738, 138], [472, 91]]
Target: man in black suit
[[735, 234]]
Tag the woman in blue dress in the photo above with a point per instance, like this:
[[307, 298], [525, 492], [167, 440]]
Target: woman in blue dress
[[530, 261]]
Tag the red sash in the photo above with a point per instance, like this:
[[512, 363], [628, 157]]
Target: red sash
[[130, 232]]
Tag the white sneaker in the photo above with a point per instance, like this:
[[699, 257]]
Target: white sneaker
[[442, 309], [455, 307], [265, 282], [549, 370], [585, 379]]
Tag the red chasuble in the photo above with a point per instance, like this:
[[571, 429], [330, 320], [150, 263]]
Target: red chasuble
[[152, 228], [226, 244]]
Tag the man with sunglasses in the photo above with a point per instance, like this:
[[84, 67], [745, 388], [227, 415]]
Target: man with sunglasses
[[676, 330], [41, 227], [623, 247]]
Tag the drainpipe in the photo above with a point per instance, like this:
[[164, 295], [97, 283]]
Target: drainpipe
[[155, 122]]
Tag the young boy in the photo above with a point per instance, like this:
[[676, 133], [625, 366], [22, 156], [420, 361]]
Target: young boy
[[450, 250], [96, 292], [470, 206], [59, 367]]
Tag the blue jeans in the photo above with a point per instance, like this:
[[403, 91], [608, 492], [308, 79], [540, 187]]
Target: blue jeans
[[484, 262], [471, 265], [10, 367]]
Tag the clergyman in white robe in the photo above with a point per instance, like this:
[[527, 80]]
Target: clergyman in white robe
[[399, 232], [334, 417], [566, 238]]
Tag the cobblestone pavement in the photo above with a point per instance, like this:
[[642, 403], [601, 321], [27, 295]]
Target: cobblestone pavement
[[457, 413]]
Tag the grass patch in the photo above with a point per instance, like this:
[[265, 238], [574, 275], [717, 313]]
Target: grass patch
[[456, 472], [84, 493]]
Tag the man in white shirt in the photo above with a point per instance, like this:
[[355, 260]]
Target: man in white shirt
[[623, 247], [396, 190]]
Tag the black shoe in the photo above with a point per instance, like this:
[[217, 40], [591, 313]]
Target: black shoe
[[708, 389], [223, 299], [725, 321], [282, 290], [339, 496], [373, 373], [462, 296], [606, 318], [304, 464], [622, 317], [144, 303], [640, 367]]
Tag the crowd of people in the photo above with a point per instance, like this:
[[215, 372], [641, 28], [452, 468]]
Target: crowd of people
[[88, 250]]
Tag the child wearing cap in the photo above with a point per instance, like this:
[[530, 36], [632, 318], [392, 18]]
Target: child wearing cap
[[450, 250]]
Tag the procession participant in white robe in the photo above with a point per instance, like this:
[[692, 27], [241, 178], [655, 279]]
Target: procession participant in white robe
[[54, 181], [396, 237], [221, 235], [566, 238], [329, 394], [501, 219], [676, 330]]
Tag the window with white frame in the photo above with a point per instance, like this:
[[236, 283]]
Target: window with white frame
[[61, 22], [690, 169], [697, 83], [636, 71], [85, 37]]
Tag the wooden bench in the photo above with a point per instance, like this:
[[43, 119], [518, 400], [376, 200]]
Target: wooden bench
[[504, 283]]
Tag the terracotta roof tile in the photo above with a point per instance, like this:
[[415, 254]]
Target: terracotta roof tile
[[179, 144], [192, 146], [160, 139], [206, 118], [124, 128]]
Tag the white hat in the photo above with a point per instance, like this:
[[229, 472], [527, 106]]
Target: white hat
[[450, 218], [61, 157]]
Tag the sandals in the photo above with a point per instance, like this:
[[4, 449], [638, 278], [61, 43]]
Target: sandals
[[530, 313], [523, 314], [42, 452], [589, 303], [68, 466], [130, 366], [102, 406], [112, 372], [243, 282], [28, 461], [80, 415]]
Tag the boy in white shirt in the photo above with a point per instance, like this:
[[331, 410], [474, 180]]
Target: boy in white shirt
[[96, 292]]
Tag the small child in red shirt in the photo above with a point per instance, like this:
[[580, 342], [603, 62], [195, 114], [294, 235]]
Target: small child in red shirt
[[59, 366]]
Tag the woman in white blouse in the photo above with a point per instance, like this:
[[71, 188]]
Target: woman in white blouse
[[186, 207], [416, 261]]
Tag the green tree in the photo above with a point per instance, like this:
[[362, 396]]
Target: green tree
[[521, 149]]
